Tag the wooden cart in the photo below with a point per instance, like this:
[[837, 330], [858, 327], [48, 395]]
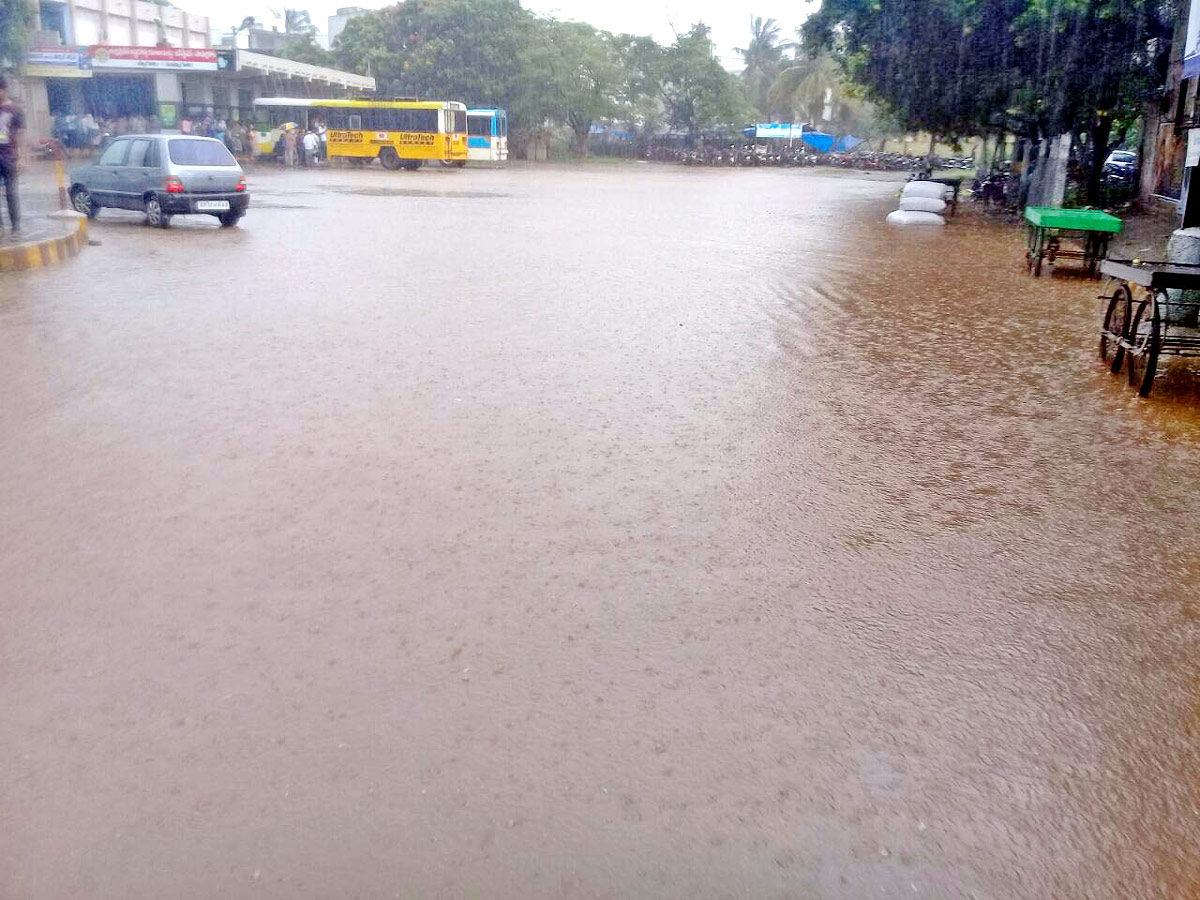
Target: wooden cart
[[1143, 322], [1047, 227]]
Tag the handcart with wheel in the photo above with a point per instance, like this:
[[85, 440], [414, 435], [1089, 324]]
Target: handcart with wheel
[[1048, 228], [1143, 322]]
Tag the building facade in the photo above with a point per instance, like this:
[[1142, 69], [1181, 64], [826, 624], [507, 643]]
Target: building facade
[[130, 64], [338, 22]]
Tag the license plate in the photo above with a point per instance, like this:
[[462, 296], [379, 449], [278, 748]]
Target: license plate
[[212, 205]]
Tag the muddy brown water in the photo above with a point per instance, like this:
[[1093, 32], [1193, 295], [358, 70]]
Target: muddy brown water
[[636, 532]]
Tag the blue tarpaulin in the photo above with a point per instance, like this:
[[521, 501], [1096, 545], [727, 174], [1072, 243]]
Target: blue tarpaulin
[[847, 143], [818, 140]]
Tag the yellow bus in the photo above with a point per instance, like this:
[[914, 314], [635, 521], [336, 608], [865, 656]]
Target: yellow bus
[[399, 133]]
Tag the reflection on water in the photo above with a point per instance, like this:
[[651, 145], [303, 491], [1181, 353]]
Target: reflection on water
[[384, 191], [649, 532]]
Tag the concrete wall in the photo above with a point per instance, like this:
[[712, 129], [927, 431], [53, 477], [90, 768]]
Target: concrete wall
[[134, 23], [30, 94], [1162, 151]]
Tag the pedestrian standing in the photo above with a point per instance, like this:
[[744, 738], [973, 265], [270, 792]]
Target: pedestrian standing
[[250, 142], [220, 130], [311, 145], [12, 123], [323, 136], [289, 147], [301, 156], [185, 125]]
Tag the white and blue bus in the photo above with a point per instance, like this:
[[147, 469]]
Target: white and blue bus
[[487, 135]]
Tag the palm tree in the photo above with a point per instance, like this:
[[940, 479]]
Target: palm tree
[[762, 58], [297, 21], [811, 89]]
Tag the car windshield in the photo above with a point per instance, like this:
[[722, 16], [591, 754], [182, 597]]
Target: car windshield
[[1122, 156], [186, 152]]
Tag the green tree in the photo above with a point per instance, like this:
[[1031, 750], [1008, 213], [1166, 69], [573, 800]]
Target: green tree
[[304, 48], [16, 18], [763, 58], [468, 50], [695, 88], [641, 107], [811, 89], [586, 77], [970, 67]]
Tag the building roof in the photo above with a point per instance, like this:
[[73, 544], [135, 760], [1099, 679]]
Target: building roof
[[288, 68]]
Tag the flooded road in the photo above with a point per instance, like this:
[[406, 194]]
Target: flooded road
[[630, 532]]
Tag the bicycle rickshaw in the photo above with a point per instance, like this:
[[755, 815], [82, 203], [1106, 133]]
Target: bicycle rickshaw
[[1143, 321]]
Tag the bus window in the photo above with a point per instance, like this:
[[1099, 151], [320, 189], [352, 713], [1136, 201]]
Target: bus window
[[502, 125], [355, 121], [424, 120], [479, 126], [459, 124]]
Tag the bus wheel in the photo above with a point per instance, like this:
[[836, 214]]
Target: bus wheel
[[388, 158]]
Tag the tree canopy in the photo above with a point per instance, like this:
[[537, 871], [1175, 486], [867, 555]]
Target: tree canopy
[[496, 53], [697, 91], [963, 67], [16, 18]]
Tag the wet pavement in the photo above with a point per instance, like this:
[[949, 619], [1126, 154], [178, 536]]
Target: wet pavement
[[605, 532]]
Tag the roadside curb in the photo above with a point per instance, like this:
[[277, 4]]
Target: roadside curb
[[47, 251]]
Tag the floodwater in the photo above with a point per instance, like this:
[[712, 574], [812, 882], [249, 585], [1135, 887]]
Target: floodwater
[[608, 532]]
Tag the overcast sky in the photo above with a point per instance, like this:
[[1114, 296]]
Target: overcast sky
[[728, 19]]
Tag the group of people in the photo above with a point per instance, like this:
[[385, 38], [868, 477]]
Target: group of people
[[305, 146], [237, 136], [86, 132]]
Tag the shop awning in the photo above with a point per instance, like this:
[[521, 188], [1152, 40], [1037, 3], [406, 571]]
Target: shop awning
[[287, 68]]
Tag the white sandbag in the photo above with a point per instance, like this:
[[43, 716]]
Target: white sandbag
[[922, 204], [908, 217], [932, 189]]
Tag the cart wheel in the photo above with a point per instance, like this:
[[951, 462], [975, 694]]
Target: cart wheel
[[1144, 338], [1035, 266], [1116, 326]]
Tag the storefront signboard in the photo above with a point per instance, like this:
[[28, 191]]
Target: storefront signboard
[[154, 58], [778, 131], [57, 62], [1191, 47]]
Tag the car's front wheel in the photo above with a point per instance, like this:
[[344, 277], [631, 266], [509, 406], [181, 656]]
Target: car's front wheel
[[156, 217], [83, 203]]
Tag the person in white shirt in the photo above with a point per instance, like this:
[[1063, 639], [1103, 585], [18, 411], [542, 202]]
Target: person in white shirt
[[311, 143], [322, 134]]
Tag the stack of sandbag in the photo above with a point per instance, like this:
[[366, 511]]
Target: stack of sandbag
[[921, 203]]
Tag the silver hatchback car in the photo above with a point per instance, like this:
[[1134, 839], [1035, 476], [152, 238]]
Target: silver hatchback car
[[163, 175]]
